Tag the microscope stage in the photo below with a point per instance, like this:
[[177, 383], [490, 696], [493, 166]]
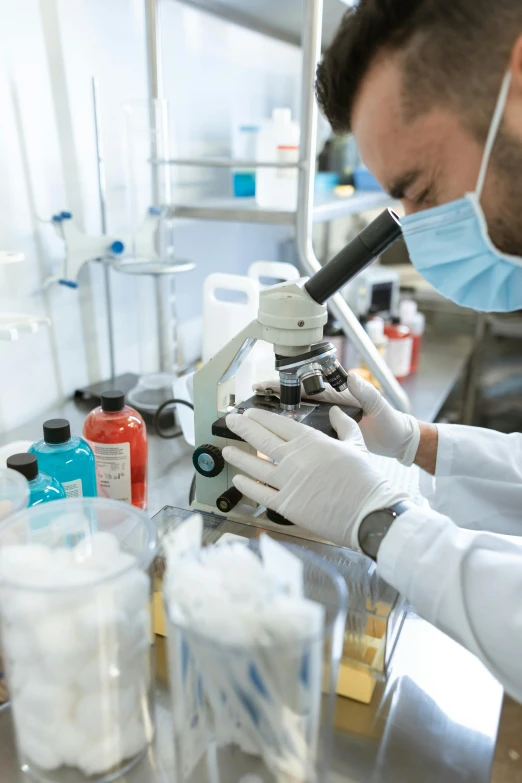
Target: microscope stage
[[314, 414]]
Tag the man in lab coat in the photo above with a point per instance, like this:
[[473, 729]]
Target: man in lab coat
[[432, 90]]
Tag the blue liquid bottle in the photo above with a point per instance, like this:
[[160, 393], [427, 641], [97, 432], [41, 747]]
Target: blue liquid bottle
[[42, 488], [69, 459]]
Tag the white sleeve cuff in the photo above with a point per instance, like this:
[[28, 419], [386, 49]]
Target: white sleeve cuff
[[446, 448], [404, 544]]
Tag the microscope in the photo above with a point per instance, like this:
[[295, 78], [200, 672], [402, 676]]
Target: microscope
[[291, 317]]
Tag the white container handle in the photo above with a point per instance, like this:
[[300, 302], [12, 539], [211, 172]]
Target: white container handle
[[276, 270]]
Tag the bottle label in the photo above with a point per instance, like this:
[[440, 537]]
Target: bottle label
[[73, 489], [113, 470]]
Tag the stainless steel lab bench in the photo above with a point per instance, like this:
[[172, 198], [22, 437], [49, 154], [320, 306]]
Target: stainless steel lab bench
[[436, 717]]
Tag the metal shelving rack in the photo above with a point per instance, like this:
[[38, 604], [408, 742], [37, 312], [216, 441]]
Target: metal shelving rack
[[308, 212]]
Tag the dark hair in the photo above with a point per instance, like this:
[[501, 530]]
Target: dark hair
[[451, 51]]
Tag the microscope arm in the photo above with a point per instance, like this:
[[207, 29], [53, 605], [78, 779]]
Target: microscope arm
[[211, 379]]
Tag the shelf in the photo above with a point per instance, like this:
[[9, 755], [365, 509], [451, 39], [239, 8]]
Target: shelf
[[245, 210], [12, 326], [283, 21]]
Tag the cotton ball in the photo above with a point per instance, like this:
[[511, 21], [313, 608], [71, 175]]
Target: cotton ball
[[291, 619], [190, 584], [19, 674], [47, 701], [98, 674], [241, 571], [24, 562], [100, 622], [56, 635], [97, 712], [23, 607], [62, 558], [69, 743], [128, 700], [19, 644], [135, 629], [133, 739], [102, 755], [132, 591], [121, 562], [43, 729], [135, 666], [64, 670], [218, 619], [42, 754], [97, 552]]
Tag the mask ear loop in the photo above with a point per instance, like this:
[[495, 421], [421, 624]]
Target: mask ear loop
[[492, 133]]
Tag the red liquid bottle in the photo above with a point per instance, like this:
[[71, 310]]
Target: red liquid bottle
[[118, 437]]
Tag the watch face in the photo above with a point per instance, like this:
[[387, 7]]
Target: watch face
[[373, 529]]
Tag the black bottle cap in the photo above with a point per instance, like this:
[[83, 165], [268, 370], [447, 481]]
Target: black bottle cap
[[26, 464], [56, 431], [395, 320], [112, 400]]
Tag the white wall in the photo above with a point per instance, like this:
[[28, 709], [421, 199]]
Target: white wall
[[216, 76]]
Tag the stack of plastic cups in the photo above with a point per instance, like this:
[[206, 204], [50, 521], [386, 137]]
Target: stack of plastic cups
[[264, 712], [14, 495], [75, 589]]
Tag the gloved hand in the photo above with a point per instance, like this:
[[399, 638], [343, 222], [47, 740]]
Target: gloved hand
[[385, 431], [324, 485]]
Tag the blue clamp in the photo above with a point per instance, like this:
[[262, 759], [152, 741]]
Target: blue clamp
[[57, 218], [66, 215], [68, 283], [155, 210], [117, 247]]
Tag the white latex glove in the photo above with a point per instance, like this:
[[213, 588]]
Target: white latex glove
[[324, 485], [385, 431]]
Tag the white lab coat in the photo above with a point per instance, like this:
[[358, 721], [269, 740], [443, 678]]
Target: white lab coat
[[465, 579]]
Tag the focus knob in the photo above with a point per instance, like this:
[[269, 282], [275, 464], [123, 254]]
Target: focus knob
[[208, 460], [228, 500]]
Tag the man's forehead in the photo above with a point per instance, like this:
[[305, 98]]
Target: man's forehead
[[388, 144]]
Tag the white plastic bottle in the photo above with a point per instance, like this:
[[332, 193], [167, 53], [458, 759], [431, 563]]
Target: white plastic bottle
[[375, 330], [415, 322], [278, 141]]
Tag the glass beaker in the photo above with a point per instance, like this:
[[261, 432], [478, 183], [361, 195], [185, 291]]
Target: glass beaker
[[75, 590], [263, 713], [14, 492], [14, 495]]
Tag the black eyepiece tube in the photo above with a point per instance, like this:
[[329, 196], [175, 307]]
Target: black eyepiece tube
[[361, 251]]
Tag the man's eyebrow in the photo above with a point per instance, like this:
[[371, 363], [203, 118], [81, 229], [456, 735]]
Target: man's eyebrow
[[402, 183]]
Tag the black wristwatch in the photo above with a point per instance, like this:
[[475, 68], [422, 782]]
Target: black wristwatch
[[375, 526]]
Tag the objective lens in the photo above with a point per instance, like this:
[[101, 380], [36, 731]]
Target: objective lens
[[335, 374], [290, 395], [311, 376]]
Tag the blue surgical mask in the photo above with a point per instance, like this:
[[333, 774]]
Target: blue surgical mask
[[450, 246]]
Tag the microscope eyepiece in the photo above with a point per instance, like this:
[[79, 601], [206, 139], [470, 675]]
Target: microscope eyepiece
[[358, 254]]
